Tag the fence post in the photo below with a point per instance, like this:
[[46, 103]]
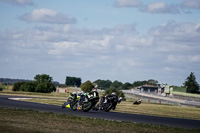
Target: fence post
[[148, 100]]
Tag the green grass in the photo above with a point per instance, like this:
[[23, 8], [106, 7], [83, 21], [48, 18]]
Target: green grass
[[22, 121], [186, 94], [3, 87], [144, 108], [160, 110], [179, 89], [14, 120], [125, 106]]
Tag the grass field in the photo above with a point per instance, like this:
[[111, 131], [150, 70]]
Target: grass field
[[124, 106], [29, 121], [186, 94], [179, 89], [16, 120]]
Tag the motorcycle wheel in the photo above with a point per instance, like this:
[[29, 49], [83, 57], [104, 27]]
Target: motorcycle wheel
[[73, 106], [87, 106], [69, 100], [108, 106], [63, 106]]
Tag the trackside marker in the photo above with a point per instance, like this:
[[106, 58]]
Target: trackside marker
[[19, 98]]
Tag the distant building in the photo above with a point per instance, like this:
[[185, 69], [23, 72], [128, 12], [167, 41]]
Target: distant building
[[163, 89], [149, 89]]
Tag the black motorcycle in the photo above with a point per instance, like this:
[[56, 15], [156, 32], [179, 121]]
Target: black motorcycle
[[111, 103], [81, 101]]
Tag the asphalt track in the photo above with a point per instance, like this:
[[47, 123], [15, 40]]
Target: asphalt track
[[135, 118]]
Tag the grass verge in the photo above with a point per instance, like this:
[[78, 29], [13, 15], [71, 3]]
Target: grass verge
[[125, 106], [19, 121]]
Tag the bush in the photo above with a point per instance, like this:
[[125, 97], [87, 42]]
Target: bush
[[34, 86], [17, 86], [73, 81], [118, 92], [121, 94], [1, 87], [103, 84], [28, 87], [87, 86], [62, 85], [45, 87]]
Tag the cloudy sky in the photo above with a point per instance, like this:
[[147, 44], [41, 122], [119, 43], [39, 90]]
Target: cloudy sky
[[124, 40]]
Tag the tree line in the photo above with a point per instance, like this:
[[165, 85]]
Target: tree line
[[105, 84], [88, 86], [45, 83], [9, 81]]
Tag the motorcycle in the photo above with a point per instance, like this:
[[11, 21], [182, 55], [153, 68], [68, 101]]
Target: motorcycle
[[69, 101], [111, 103], [81, 101]]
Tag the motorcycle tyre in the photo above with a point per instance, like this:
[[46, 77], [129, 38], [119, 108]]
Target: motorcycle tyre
[[63, 106], [73, 106], [109, 107], [88, 108]]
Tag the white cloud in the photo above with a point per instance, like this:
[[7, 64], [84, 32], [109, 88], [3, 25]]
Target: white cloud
[[48, 16], [168, 69], [19, 2], [155, 7], [104, 53], [184, 58], [128, 3], [193, 4], [194, 58], [160, 7], [179, 41], [184, 34], [177, 58]]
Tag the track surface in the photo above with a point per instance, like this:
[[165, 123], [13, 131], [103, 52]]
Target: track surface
[[173, 122]]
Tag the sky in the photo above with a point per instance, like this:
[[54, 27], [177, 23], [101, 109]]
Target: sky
[[124, 40]]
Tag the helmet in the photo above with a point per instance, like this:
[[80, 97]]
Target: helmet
[[94, 89], [113, 93], [96, 86]]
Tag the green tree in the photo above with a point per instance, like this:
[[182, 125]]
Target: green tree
[[103, 84], [126, 86], [116, 84], [17, 86], [139, 83], [43, 78], [28, 86], [152, 82], [45, 87], [191, 84], [42, 84], [1, 88], [87, 86], [41, 87], [119, 93], [73, 81]]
